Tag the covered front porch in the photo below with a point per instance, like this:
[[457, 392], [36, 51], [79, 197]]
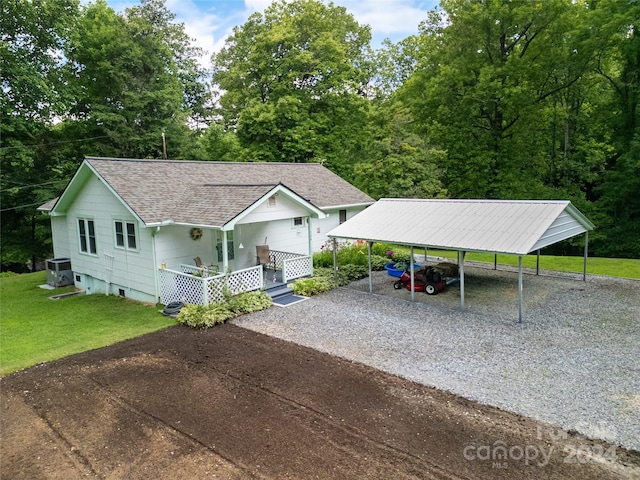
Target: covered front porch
[[264, 241], [204, 285]]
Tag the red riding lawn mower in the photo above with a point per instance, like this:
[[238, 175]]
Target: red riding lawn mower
[[427, 279]]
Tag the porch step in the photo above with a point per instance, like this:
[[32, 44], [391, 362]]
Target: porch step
[[283, 296], [279, 291]]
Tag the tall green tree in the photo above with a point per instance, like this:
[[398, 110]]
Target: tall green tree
[[619, 64], [294, 82], [86, 81], [398, 161], [135, 78], [483, 78], [33, 38]]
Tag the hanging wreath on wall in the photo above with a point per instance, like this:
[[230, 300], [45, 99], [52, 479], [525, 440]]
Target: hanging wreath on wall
[[195, 233]]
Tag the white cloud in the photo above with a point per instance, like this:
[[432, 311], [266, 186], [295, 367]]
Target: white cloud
[[389, 17], [210, 22], [207, 29], [395, 19], [257, 5]]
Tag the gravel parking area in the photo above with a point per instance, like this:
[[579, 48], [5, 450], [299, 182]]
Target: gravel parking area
[[572, 362]]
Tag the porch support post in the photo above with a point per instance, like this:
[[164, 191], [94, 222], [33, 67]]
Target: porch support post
[[538, 262], [335, 260], [586, 254], [413, 281], [310, 243], [520, 289], [225, 252], [205, 292], [461, 268], [369, 244], [495, 261]]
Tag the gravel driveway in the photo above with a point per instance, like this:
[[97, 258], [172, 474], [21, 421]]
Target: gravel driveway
[[572, 362]]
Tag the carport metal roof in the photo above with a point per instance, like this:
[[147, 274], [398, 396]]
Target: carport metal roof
[[514, 227]]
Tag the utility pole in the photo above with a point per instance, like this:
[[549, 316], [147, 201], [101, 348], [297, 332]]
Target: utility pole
[[164, 147]]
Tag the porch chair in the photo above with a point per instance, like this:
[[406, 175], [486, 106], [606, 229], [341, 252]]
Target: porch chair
[[208, 270], [264, 257]]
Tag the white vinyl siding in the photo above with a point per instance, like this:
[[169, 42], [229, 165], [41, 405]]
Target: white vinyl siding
[[133, 270], [320, 227]]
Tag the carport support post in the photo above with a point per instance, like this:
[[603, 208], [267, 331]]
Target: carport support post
[[586, 253], [369, 244], [413, 282], [538, 262], [461, 267], [519, 288], [335, 260]]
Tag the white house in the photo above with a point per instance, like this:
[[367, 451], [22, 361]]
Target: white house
[[136, 227]]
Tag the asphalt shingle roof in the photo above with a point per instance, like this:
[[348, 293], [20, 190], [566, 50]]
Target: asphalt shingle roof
[[212, 193]]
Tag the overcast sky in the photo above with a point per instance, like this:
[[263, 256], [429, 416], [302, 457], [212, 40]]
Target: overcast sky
[[209, 22]]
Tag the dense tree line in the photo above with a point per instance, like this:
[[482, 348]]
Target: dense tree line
[[491, 99]]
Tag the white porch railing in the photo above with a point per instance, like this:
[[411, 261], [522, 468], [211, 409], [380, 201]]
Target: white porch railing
[[296, 267], [193, 285]]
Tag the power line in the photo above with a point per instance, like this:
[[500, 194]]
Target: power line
[[29, 186], [20, 206], [55, 143]]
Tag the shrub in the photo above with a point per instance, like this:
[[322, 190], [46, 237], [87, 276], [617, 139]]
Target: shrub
[[312, 286], [353, 255], [382, 249], [249, 302], [378, 262], [201, 316], [401, 257], [346, 274], [352, 272], [353, 264], [206, 316], [323, 259]]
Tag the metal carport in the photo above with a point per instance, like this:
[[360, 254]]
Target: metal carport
[[512, 227]]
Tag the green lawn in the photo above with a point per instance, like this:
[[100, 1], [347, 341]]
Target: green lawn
[[34, 329], [614, 267]]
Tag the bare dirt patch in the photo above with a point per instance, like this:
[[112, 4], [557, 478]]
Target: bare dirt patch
[[231, 403]]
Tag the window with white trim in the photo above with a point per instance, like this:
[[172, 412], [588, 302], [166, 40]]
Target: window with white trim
[[126, 235], [297, 222], [87, 236], [342, 216]]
